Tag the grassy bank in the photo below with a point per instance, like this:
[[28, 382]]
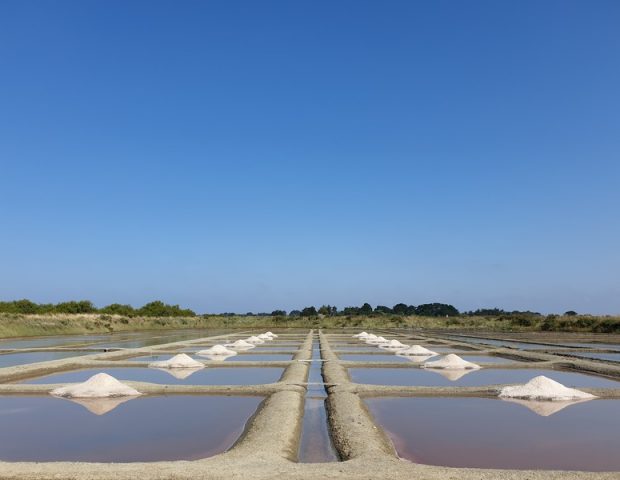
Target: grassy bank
[[19, 325]]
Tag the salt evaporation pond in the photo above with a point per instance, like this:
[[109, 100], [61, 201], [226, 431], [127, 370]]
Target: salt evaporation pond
[[11, 359], [149, 428], [240, 357], [488, 433], [204, 376], [611, 357], [473, 378]]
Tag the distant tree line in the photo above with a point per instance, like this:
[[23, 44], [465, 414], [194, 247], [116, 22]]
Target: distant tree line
[[160, 309], [151, 309]]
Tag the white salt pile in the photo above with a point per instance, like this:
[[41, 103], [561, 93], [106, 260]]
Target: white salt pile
[[417, 350], [217, 358], [178, 361], [393, 345], [376, 340], [415, 358], [239, 345], [254, 339], [360, 335], [451, 362], [264, 336], [219, 350], [272, 335], [543, 388], [98, 386]]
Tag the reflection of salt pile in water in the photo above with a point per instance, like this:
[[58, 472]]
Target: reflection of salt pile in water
[[393, 345], [180, 373], [98, 386], [417, 350], [451, 362], [178, 361], [254, 339], [216, 350], [543, 388], [100, 406], [239, 345], [453, 374], [545, 408]]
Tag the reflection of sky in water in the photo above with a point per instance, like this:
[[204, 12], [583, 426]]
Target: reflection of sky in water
[[204, 376], [489, 433], [143, 429], [476, 378], [10, 359]]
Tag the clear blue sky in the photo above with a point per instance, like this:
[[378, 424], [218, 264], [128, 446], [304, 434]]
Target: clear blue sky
[[235, 156]]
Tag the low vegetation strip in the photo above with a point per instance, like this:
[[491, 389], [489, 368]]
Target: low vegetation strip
[[23, 325]]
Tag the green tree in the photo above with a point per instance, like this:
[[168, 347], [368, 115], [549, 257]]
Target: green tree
[[436, 310], [400, 309], [118, 309], [309, 312]]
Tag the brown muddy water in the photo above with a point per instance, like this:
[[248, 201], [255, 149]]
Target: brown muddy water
[[473, 378], [151, 428], [204, 376], [488, 433]]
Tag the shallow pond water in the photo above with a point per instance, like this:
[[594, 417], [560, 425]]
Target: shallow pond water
[[149, 428], [488, 433], [612, 357], [264, 357], [172, 376], [315, 443], [472, 378], [11, 359], [373, 358]]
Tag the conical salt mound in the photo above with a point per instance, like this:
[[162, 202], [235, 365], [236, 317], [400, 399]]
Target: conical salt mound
[[254, 339], [217, 350], [217, 358], [415, 358], [100, 406], [239, 345], [393, 345], [272, 335], [543, 388], [264, 336], [376, 340], [417, 350], [360, 335], [451, 362], [545, 408], [178, 361], [98, 386]]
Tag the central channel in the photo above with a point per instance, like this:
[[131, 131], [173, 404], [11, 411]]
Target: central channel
[[316, 445]]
